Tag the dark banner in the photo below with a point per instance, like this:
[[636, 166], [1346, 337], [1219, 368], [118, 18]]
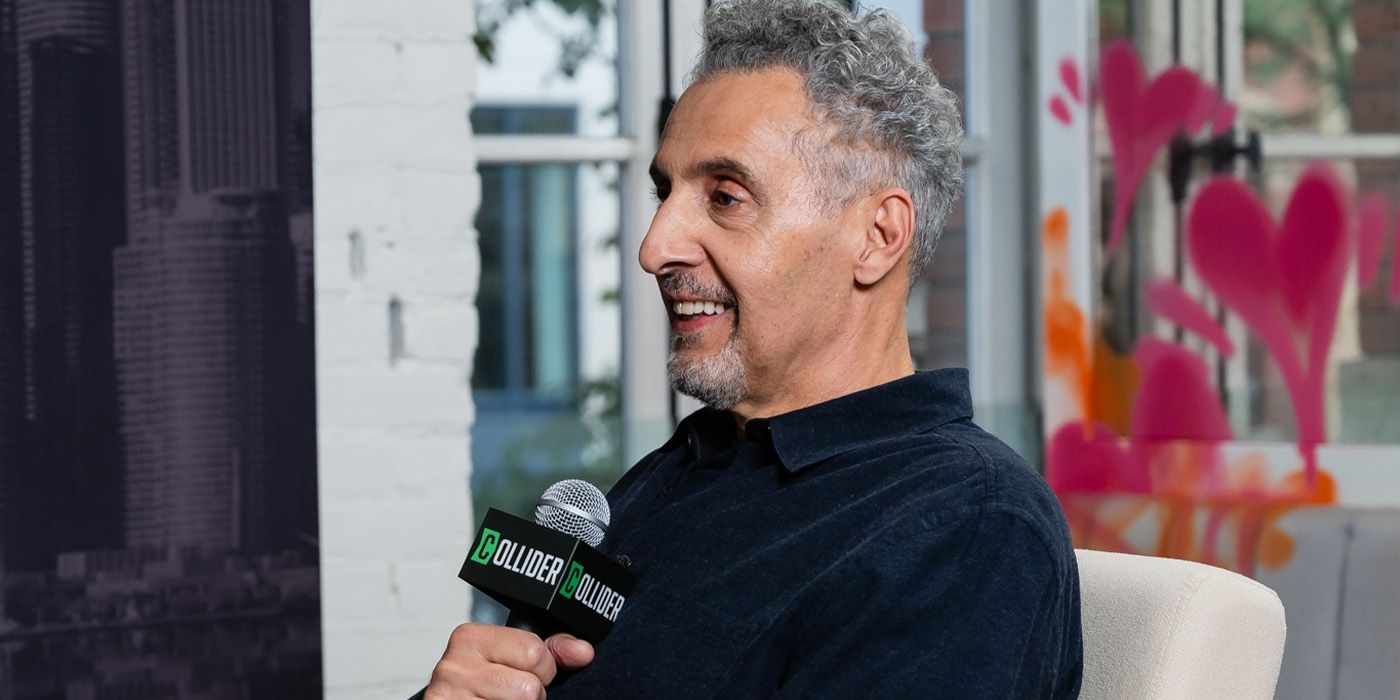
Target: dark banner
[[158, 528]]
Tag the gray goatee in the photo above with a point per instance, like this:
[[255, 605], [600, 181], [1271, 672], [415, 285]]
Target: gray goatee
[[719, 380]]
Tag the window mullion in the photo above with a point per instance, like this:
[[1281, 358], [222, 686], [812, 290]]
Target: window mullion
[[512, 148]]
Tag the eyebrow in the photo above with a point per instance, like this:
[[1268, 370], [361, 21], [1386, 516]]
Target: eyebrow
[[719, 166], [711, 166]]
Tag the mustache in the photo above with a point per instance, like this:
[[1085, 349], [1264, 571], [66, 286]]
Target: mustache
[[690, 284]]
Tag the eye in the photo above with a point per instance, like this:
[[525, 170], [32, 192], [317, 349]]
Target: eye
[[723, 198], [659, 193]]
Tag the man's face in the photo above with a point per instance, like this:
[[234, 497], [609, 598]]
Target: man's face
[[753, 270]]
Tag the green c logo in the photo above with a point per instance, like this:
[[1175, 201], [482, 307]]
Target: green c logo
[[484, 549], [571, 580]]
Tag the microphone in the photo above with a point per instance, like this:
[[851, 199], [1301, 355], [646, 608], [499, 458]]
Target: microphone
[[547, 572], [574, 507], [577, 508]]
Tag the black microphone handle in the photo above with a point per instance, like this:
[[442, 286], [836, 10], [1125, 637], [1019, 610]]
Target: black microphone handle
[[521, 618], [524, 617]]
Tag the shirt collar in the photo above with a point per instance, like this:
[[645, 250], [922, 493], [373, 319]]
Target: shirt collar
[[801, 438], [706, 433]]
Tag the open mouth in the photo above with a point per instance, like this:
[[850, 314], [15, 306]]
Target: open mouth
[[694, 304], [688, 310], [693, 317]]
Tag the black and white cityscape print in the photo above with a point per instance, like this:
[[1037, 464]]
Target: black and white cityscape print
[[158, 525]]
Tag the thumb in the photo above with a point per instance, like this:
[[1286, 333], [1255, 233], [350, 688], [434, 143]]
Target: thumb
[[569, 651]]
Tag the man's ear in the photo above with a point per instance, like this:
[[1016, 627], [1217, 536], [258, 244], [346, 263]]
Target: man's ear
[[889, 233]]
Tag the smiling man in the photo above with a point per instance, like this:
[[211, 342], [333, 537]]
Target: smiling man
[[832, 523]]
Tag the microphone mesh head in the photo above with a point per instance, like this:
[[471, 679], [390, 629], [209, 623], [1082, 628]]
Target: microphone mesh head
[[575, 498]]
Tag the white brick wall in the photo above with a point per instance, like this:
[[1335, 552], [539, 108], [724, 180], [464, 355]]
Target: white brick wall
[[394, 165]]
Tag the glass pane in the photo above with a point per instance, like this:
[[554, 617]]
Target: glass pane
[[495, 119], [525, 298], [1321, 66], [545, 376], [1116, 19], [545, 380], [548, 53]]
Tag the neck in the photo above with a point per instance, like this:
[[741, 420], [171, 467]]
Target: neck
[[838, 369]]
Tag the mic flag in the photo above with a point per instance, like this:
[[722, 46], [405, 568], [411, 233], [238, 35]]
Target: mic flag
[[520, 563]]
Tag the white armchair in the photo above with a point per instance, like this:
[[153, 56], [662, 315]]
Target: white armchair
[[1168, 629]]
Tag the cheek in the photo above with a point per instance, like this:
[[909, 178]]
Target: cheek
[[765, 284], [783, 280], [784, 295]]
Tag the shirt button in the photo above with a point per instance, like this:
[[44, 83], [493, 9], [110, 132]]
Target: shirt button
[[665, 491], [624, 560]]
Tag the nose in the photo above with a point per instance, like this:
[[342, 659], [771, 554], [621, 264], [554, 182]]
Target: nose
[[672, 242]]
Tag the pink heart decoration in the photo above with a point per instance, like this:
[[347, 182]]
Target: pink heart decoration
[[1285, 282], [1206, 102], [1069, 76], [1171, 302], [1224, 119], [1312, 247], [1175, 398], [1230, 244], [1141, 118], [1176, 402], [1060, 110], [1082, 458]]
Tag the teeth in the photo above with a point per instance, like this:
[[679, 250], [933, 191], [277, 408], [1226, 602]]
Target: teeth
[[694, 308]]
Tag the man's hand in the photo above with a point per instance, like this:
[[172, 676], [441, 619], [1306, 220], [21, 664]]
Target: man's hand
[[500, 663]]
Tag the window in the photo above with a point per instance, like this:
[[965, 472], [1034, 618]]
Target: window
[[528, 348], [546, 376], [1316, 81], [1321, 82]]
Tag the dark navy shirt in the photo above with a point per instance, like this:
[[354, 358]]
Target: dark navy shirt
[[876, 545]]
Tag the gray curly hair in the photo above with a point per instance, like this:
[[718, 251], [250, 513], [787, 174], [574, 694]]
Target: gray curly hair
[[882, 104]]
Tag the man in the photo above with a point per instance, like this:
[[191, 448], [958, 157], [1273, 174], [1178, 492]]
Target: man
[[833, 523]]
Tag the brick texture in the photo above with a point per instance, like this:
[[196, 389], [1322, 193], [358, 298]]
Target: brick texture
[[396, 189], [944, 285], [1375, 108], [1376, 20]]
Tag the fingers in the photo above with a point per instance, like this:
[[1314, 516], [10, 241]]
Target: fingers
[[569, 651], [488, 681], [521, 650], [495, 663]]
